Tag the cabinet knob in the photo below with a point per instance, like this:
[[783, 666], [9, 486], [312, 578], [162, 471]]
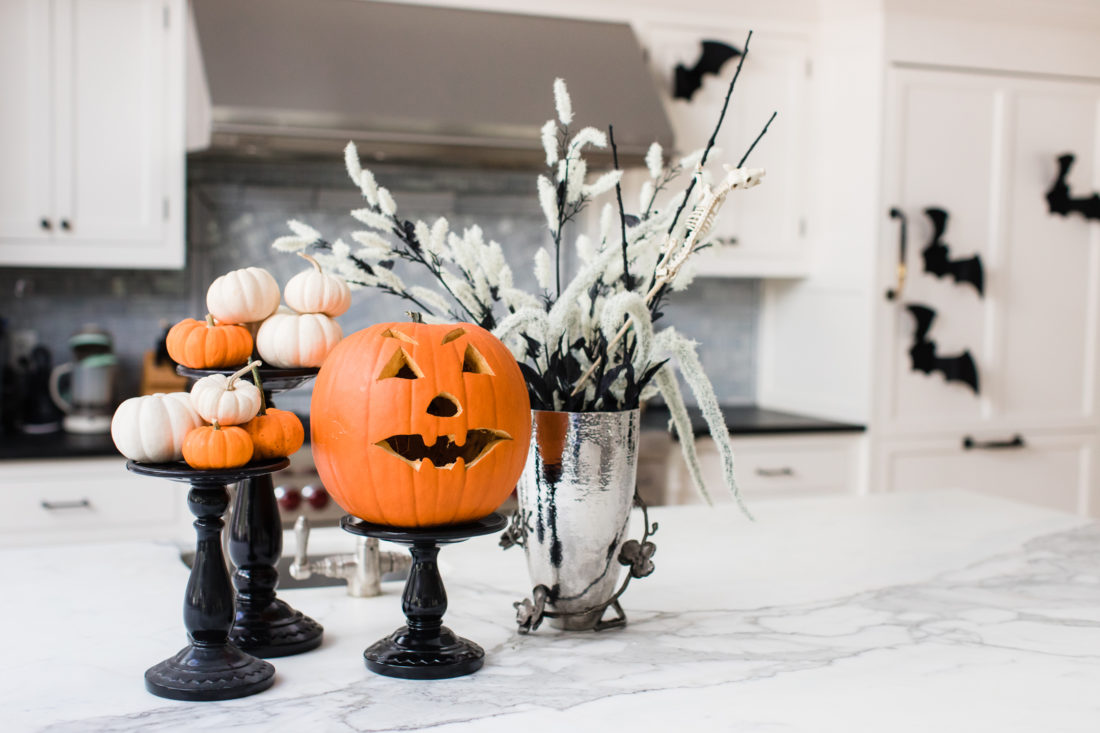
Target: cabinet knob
[[66, 225], [46, 224]]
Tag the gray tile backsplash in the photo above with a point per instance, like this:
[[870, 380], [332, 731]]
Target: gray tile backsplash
[[237, 209]]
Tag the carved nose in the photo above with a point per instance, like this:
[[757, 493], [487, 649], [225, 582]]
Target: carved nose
[[444, 405]]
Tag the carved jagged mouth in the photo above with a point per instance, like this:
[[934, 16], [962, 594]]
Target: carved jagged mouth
[[444, 452]]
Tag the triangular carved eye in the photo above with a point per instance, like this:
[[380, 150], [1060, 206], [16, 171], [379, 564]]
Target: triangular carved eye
[[400, 366], [473, 362]]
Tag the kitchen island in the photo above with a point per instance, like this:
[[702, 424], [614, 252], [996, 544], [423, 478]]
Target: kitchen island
[[906, 612]]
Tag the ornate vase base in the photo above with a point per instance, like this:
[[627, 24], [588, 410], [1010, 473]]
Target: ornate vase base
[[401, 655], [204, 673], [590, 621], [277, 631]]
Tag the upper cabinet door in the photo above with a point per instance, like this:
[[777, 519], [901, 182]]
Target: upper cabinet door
[[983, 149], [111, 183], [25, 123], [759, 232]]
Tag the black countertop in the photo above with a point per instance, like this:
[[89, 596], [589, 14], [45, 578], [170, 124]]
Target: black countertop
[[741, 420], [750, 420]]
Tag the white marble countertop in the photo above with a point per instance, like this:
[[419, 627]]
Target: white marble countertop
[[916, 612]]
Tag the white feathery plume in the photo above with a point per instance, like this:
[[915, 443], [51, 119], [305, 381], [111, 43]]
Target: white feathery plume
[[422, 232], [574, 186], [562, 103], [549, 134], [373, 219], [654, 160], [290, 244], [603, 184], [683, 350], [305, 231], [685, 277], [689, 161], [389, 278], [517, 300], [351, 162], [370, 239], [438, 237], [665, 380], [587, 136], [369, 187], [606, 215], [548, 200], [531, 321], [644, 196], [386, 202], [632, 305], [461, 290], [430, 298], [493, 264], [543, 269], [341, 249], [585, 249], [563, 169]]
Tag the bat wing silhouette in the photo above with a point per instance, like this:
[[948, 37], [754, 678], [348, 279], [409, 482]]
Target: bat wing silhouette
[[924, 356], [937, 256], [714, 54], [1058, 197]]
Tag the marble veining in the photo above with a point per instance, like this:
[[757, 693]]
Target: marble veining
[[936, 611]]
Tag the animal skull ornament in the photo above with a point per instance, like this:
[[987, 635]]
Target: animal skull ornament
[[418, 425]]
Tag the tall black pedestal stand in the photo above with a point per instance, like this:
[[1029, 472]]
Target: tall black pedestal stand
[[210, 667]]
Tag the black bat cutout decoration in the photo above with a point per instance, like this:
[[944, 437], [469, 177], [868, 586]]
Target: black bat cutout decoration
[[924, 358], [937, 259], [1059, 199], [714, 54]]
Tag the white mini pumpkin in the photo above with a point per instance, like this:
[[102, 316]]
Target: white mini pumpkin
[[289, 340], [243, 296], [226, 400], [151, 429], [314, 291]]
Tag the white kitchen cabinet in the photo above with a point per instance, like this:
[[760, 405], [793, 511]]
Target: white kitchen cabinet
[[773, 466], [95, 135], [983, 148], [760, 232], [1056, 470], [88, 499]]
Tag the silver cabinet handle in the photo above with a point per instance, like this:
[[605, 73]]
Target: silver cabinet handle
[[775, 472], [57, 505]]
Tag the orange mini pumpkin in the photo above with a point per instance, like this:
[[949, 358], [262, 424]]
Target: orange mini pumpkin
[[204, 345], [275, 433], [214, 446], [417, 425]]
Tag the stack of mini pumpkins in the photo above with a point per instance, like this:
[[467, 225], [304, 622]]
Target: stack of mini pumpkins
[[223, 423], [246, 302]]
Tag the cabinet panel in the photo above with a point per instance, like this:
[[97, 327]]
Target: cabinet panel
[[1051, 471], [760, 232], [983, 148], [116, 186], [25, 124]]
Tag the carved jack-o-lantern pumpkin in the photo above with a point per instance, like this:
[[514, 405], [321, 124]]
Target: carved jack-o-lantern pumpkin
[[416, 425]]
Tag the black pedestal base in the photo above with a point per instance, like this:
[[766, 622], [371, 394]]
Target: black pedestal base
[[424, 649], [401, 654], [201, 673], [276, 631]]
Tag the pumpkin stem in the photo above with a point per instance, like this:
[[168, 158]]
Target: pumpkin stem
[[215, 425], [415, 316], [209, 321], [230, 385], [311, 261], [260, 386]]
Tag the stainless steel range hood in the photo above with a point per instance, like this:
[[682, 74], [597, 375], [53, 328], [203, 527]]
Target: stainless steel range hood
[[414, 83]]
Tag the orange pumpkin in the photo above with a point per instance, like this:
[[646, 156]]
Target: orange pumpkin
[[417, 425], [214, 446], [204, 345], [275, 433]]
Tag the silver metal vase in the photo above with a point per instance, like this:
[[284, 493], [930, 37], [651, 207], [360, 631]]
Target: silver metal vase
[[575, 496]]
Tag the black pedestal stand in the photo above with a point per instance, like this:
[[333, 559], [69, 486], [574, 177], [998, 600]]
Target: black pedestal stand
[[264, 625], [424, 649], [209, 667]]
